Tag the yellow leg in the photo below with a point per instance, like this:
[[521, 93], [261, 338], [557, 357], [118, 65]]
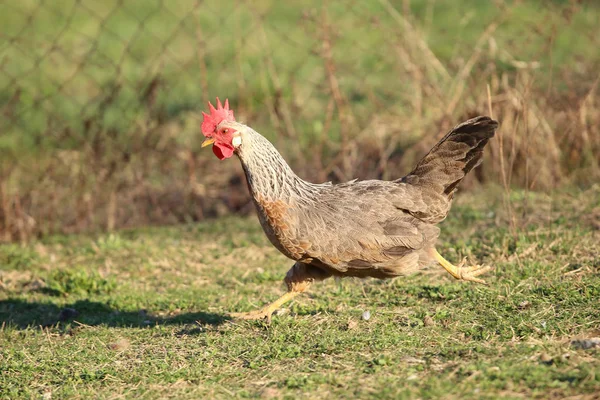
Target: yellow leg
[[267, 311], [461, 272], [298, 279]]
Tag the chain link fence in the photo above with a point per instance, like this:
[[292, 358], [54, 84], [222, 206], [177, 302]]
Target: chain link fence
[[101, 101]]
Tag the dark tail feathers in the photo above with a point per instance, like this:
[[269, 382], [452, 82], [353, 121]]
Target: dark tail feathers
[[449, 161]]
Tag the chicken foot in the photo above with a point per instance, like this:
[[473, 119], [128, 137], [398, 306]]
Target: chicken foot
[[461, 272], [266, 311], [298, 280]]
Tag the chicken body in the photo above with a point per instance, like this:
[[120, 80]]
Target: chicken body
[[359, 229], [372, 228]]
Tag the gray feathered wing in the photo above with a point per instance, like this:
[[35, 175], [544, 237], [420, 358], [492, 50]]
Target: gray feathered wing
[[381, 229]]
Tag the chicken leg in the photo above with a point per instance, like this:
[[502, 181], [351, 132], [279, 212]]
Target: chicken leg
[[459, 271], [298, 279]]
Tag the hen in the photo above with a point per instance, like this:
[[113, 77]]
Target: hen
[[371, 228]]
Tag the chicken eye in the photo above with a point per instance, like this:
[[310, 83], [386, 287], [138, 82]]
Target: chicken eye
[[225, 130]]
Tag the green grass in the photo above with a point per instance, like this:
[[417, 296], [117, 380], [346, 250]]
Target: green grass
[[75, 61], [143, 313], [74, 70]]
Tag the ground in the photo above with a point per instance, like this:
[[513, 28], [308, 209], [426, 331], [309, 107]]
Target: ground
[[143, 313]]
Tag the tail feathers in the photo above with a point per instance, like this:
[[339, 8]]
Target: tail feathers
[[449, 161]]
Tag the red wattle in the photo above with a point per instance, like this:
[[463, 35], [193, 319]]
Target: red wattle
[[222, 151]]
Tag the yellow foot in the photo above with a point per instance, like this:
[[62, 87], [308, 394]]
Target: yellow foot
[[470, 273], [263, 313], [461, 272], [267, 311]]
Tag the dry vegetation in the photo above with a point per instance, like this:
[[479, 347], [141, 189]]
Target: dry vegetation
[[100, 101]]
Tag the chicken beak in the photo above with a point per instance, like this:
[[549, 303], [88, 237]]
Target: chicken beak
[[208, 142]]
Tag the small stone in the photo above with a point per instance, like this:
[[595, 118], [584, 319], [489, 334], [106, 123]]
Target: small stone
[[366, 315]]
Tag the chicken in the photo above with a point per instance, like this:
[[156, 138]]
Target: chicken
[[371, 228]]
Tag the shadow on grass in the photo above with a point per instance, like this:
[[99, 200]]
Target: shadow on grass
[[23, 314]]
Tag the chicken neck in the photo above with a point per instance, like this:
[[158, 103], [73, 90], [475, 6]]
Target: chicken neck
[[268, 174]]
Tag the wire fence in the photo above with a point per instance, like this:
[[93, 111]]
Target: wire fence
[[100, 101]]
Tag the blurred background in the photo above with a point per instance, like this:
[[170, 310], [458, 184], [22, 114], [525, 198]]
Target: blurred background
[[101, 101]]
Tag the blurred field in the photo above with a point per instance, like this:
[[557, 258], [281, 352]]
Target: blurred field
[[100, 101], [143, 314]]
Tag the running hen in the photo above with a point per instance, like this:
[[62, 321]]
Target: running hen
[[371, 228]]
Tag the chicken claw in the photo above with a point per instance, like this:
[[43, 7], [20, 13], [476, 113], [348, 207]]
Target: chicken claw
[[267, 311], [263, 313], [461, 272], [471, 273]]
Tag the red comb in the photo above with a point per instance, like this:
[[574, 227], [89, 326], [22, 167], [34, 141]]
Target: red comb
[[217, 115]]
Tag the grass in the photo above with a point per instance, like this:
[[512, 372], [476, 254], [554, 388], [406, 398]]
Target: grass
[[143, 313]]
